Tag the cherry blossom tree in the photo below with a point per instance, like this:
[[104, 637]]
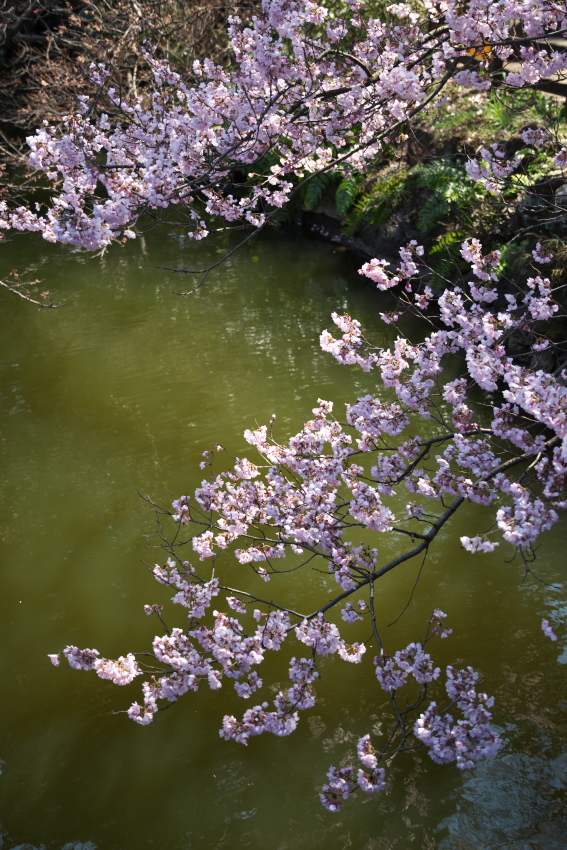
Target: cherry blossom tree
[[47, 46], [310, 91]]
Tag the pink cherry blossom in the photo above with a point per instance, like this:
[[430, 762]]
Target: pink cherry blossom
[[548, 630]]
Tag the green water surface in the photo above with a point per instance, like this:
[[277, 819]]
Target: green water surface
[[118, 393]]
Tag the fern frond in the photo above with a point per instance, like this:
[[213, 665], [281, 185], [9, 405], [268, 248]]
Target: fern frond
[[449, 241], [436, 175], [377, 206], [435, 208], [346, 193], [315, 190], [450, 185], [290, 212]]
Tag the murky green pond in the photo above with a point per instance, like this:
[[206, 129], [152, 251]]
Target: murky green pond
[[119, 392]]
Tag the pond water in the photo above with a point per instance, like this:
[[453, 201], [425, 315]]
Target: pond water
[[118, 393]]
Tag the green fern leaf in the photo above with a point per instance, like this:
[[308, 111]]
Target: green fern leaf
[[449, 241], [377, 206], [346, 193], [315, 190], [435, 208]]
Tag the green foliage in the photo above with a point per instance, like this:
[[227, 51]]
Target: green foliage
[[447, 254], [289, 214], [434, 209], [501, 108], [550, 109], [377, 205], [449, 244], [508, 110], [450, 187], [536, 165], [315, 189], [514, 259], [451, 191], [346, 193]]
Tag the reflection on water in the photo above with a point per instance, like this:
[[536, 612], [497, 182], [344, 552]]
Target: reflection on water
[[516, 801], [120, 391]]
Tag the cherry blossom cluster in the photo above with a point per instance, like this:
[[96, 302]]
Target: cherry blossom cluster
[[478, 336], [123, 671], [306, 92], [548, 630], [344, 780], [393, 673], [492, 168], [465, 742]]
